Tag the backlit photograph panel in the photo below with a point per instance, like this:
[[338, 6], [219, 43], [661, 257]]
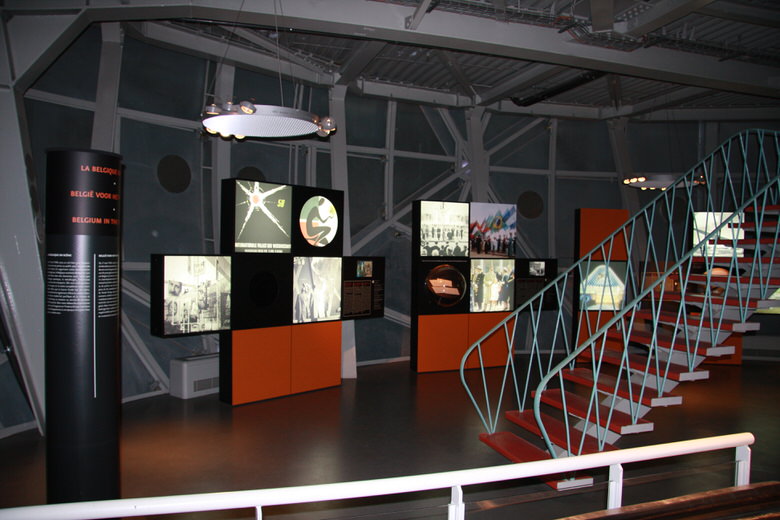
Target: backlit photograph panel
[[262, 217], [602, 286], [492, 285], [316, 289], [192, 294], [704, 223], [492, 230], [444, 228]]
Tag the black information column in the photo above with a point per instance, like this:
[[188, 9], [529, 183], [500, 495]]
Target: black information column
[[82, 325]]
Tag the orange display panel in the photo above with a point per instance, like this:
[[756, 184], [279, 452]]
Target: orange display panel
[[494, 350], [260, 363], [441, 341], [315, 356], [597, 224]]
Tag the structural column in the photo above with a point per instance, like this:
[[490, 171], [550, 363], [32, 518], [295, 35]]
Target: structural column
[[82, 325]]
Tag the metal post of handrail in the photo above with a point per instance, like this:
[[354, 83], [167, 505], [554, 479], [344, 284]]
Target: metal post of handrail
[[457, 508], [615, 486], [742, 467]]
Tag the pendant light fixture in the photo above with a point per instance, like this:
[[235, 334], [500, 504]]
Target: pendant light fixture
[[246, 119]]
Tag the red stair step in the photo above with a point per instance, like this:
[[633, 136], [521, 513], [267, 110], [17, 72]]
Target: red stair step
[[728, 259], [606, 383], [665, 340], [768, 207], [513, 447], [696, 321], [557, 432], [516, 449], [674, 372], [753, 225], [745, 241], [578, 406], [715, 300], [744, 280]]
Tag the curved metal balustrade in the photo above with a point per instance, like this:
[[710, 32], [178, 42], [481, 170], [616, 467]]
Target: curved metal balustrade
[[687, 287]]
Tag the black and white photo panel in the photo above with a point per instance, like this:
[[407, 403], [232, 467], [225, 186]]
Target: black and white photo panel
[[190, 294], [316, 289], [443, 229]]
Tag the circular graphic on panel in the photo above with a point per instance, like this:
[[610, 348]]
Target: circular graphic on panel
[[446, 284], [319, 221]]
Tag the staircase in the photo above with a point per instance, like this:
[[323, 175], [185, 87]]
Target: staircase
[[700, 259]]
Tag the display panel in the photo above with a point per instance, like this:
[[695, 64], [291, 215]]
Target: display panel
[[316, 289], [444, 228], [262, 290], [363, 288], [190, 294], [442, 287], [261, 217], [602, 286], [318, 228], [492, 285], [492, 230], [532, 276], [704, 223]]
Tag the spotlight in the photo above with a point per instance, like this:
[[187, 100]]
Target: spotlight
[[247, 107]]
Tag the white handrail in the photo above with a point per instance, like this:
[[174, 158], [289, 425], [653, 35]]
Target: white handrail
[[454, 480]]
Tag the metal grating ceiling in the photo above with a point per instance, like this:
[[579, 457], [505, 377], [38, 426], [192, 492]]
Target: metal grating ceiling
[[547, 56]]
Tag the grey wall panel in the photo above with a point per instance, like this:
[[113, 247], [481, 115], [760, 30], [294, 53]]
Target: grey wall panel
[[366, 181], [75, 72], [161, 81], [584, 146], [155, 219], [366, 121], [413, 133]]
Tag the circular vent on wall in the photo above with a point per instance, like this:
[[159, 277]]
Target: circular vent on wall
[[530, 205], [173, 173]]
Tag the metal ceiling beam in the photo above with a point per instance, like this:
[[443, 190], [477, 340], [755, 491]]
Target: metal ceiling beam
[[602, 15], [662, 13], [676, 97], [385, 21], [412, 22], [359, 60], [275, 49], [221, 50], [451, 63], [742, 13], [528, 77]]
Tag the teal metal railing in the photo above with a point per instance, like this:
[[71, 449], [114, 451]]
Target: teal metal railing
[[693, 265]]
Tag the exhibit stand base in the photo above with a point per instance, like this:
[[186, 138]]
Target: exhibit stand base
[[442, 340], [259, 364]]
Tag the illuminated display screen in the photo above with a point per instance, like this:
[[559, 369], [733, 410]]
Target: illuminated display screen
[[319, 221], [191, 294], [492, 230], [316, 289], [704, 223], [492, 285], [444, 229], [603, 286], [262, 217]]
